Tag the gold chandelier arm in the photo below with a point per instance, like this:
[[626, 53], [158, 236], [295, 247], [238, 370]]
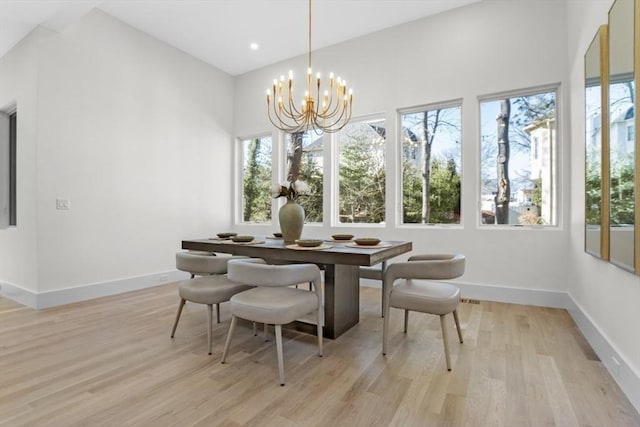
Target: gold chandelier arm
[[333, 109], [329, 113]]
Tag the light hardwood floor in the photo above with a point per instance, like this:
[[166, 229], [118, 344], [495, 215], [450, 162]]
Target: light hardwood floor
[[110, 362]]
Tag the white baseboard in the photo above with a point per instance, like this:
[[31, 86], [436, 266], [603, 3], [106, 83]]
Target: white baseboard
[[537, 297], [627, 378], [87, 292]]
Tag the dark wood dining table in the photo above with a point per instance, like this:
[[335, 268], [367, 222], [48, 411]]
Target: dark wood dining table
[[340, 262]]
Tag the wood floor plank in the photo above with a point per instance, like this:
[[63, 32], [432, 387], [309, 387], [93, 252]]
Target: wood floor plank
[[111, 362]]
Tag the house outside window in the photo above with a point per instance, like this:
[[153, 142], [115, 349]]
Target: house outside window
[[518, 168]]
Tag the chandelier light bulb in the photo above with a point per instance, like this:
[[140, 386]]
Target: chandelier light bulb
[[322, 111]]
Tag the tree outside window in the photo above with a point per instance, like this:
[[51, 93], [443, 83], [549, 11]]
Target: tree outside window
[[518, 143], [361, 172], [311, 171], [256, 179], [431, 165], [622, 152]]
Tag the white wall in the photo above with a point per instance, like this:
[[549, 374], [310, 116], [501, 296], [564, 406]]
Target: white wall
[[132, 132], [18, 87], [137, 135], [482, 49], [608, 295]]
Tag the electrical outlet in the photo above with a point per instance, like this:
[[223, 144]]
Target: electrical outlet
[[164, 277], [63, 204]]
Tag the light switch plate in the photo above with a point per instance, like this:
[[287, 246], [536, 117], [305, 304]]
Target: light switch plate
[[63, 204]]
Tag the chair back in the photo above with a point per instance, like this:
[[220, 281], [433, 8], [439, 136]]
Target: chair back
[[196, 263], [429, 267], [257, 272]]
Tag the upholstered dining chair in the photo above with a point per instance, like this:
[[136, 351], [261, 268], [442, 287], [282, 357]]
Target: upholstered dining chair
[[273, 301], [213, 287], [199, 263], [410, 286]]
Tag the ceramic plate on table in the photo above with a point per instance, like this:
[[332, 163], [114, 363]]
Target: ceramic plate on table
[[226, 235], [242, 239], [366, 241], [309, 243], [342, 237]]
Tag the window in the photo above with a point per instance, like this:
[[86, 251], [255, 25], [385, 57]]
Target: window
[[630, 133], [311, 171], [518, 146], [361, 172], [431, 164], [256, 179], [8, 145], [13, 135]]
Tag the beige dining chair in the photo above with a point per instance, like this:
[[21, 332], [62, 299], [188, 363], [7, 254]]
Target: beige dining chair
[[213, 287], [201, 263], [273, 301], [411, 286]]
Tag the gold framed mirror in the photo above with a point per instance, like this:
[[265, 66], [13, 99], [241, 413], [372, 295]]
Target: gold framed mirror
[[623, 213], [596, 70]]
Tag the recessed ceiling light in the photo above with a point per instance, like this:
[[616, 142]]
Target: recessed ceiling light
[[254, 46]]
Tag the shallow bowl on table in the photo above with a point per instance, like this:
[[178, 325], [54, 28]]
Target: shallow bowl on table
[[226, 235], [342, 236], [308, 243], [242, 239], [367, 241]]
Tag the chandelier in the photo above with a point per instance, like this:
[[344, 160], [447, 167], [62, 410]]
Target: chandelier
[[328, 112]]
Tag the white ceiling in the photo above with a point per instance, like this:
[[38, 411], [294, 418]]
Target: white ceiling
[[219, 31]]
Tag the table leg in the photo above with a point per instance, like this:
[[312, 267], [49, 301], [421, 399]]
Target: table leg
[[341, 301]]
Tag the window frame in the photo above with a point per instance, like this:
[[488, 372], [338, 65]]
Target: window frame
[[283, 172], [556, 158], [8, 167], [238, 215], [334, 187], [13, 158], [399, 193]]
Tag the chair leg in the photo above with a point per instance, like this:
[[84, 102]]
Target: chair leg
[[445, 340], [406, 320], [320, 330], [279, 350], [218, 312], [266, 333], [232, 326], [455, 317], [175, 324], [209, 322], [255, 329], [383, 267], [193, 275], [385, 328]]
